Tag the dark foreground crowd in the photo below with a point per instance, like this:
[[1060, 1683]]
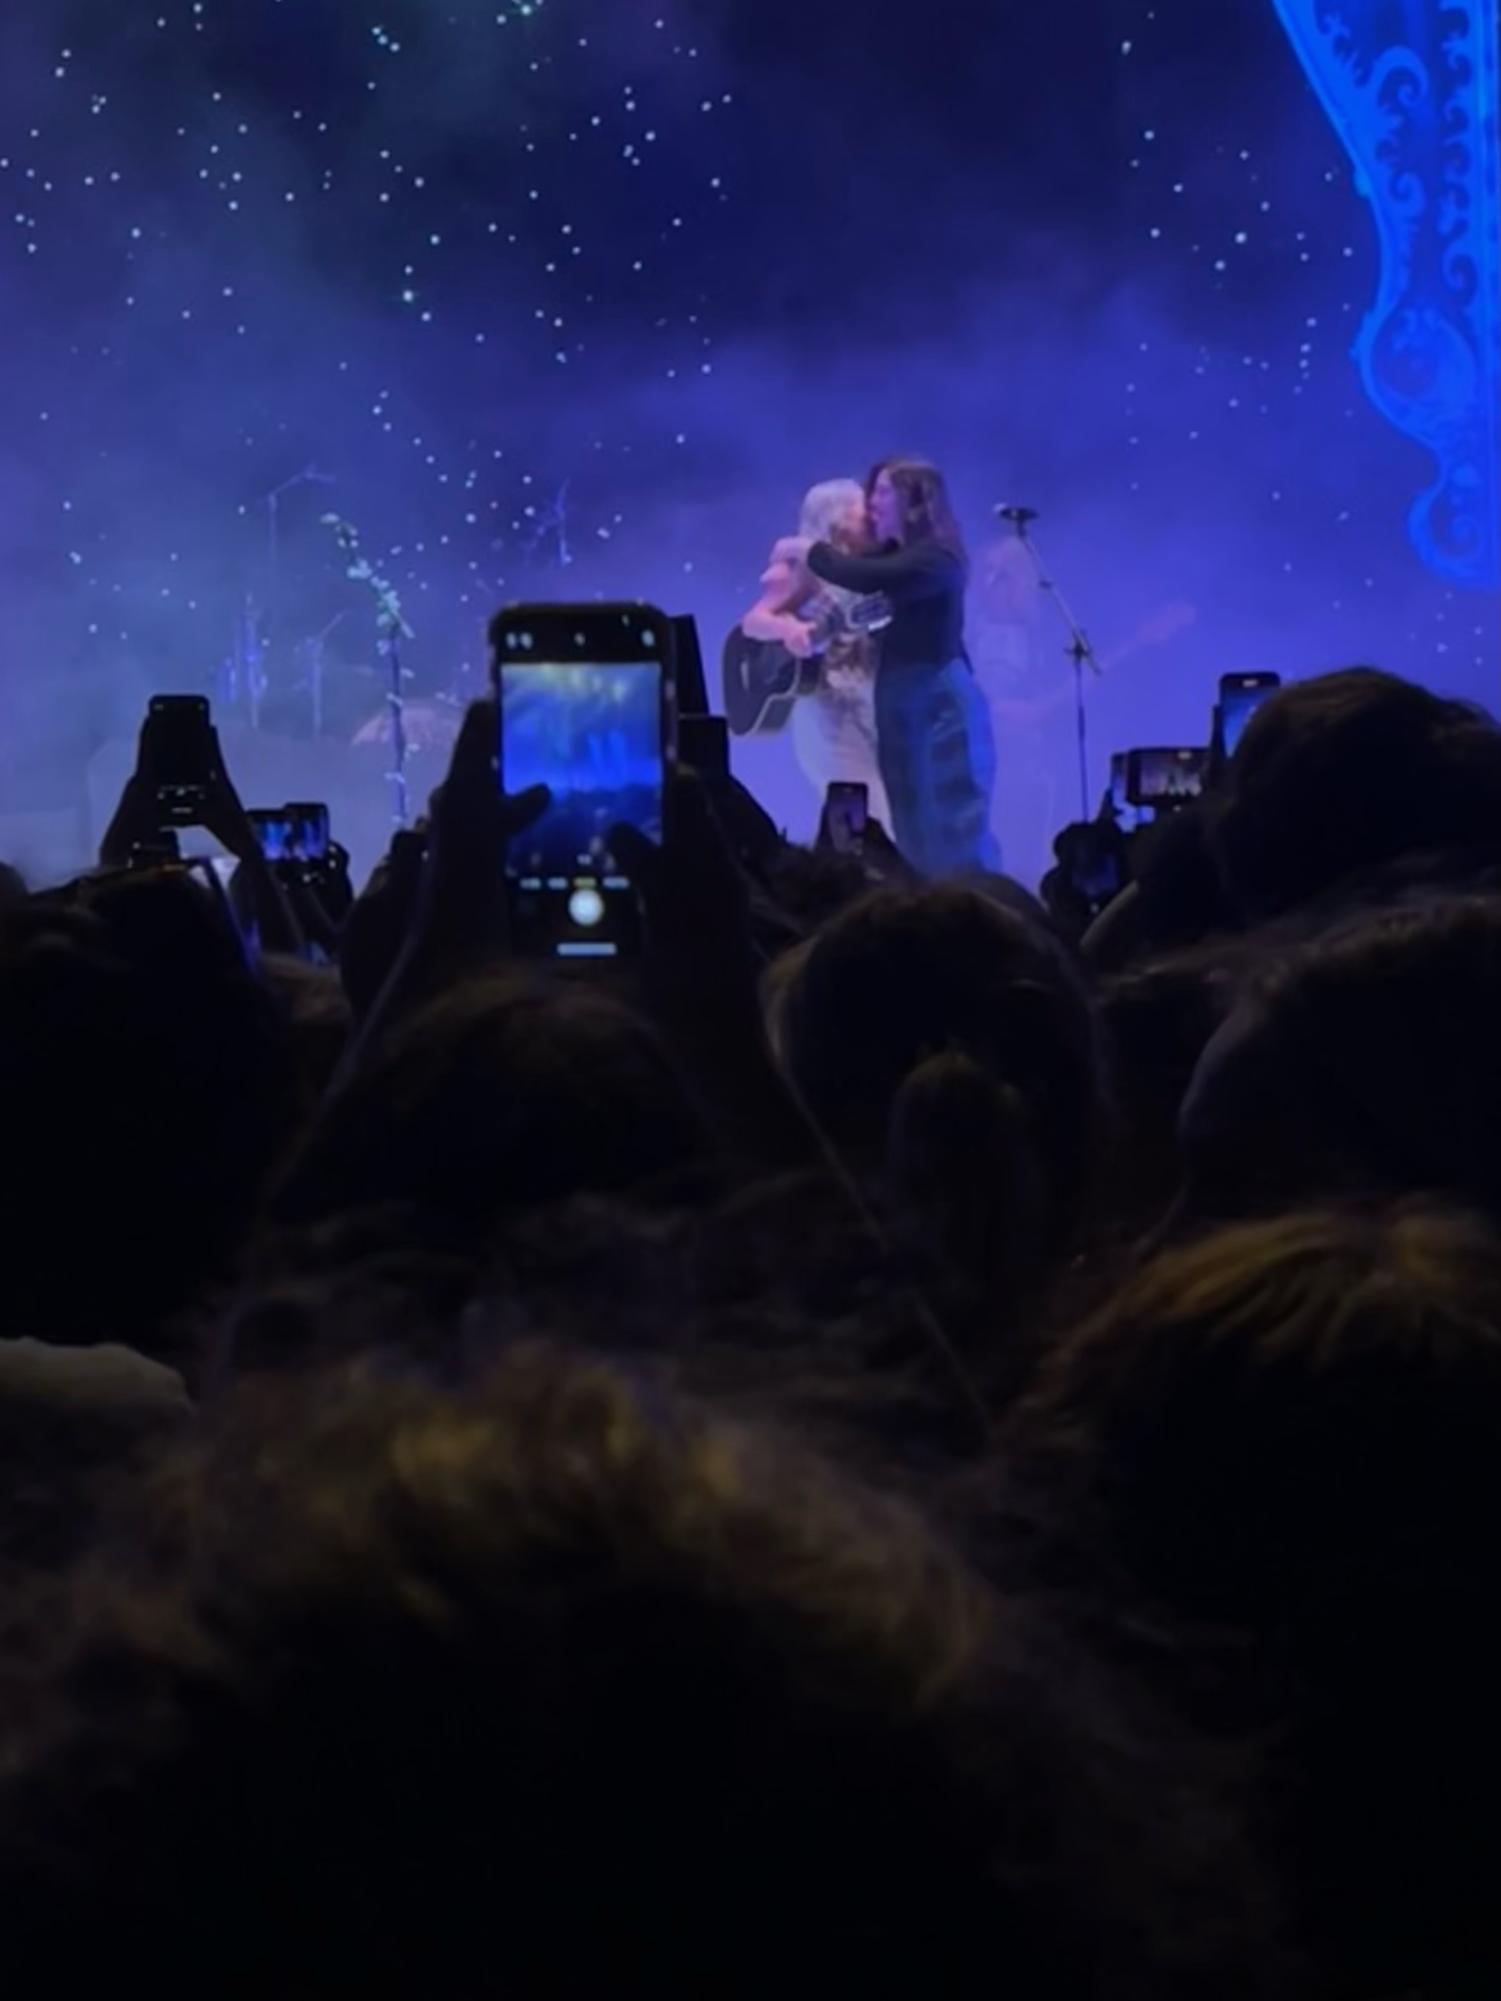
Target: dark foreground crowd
[[889, 1449]]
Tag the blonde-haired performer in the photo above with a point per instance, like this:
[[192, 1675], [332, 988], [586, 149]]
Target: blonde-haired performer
[[834, 729]]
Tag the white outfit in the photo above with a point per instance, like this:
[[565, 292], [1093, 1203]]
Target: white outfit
[[834, 734]]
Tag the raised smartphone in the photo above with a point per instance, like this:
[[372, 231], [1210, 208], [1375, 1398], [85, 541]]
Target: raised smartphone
[[585, 700], [179, 754], [846, 809]]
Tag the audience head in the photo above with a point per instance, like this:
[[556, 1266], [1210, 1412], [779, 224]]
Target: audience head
[[498, 1095], [567, 1688], [145, 1087], [812, 885], [1362, 1061], [1339, 775], [1180, 884], [1158, 1018], [946, 1047], [1291, 1431], [318, 1017]]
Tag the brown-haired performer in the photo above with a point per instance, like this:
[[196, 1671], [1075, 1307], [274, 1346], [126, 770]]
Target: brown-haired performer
[[934, 739]]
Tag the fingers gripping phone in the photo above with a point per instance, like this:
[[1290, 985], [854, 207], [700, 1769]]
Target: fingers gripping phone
[[585, 701]]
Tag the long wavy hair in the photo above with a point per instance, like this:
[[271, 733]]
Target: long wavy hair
[[927, 512]]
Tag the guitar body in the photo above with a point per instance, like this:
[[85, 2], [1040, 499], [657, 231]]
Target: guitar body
[[763, 683]]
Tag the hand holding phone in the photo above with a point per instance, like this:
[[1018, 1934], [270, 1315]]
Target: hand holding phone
[[441, 904], [179, 781], [462, 901]]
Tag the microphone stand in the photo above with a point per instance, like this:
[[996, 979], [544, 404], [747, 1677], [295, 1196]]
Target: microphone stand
[[1079, 650]]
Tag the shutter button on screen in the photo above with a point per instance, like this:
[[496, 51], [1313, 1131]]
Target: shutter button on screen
[[586, 907]]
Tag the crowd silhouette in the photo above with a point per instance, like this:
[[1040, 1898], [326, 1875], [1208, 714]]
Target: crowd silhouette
[[909, 1436]]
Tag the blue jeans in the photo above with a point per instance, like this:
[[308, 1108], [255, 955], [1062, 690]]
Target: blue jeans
[[937, 755]]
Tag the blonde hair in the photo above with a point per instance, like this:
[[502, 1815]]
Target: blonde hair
[[823, 504]]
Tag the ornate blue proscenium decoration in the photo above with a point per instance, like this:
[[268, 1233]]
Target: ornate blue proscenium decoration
[[1411, 88]]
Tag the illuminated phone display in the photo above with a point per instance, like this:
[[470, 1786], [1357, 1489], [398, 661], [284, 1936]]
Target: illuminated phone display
[[584, 704]]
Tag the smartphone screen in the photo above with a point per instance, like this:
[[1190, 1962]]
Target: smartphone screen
[[309, 830], [585, 705], [1127, 814], [846, 809], [273, 831], [1165, 777], [1241, 695]]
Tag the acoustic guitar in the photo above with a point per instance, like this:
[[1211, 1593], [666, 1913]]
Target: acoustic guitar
[[764, 682]]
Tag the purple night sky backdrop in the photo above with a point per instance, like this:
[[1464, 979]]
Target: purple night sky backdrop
[[575, 298]]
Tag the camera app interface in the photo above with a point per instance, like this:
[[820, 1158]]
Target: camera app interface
[[592, 734]]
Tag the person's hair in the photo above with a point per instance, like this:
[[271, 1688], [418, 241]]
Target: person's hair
[[1360, 1061], [1158, 1018], [146, 1087], [501, 1094], [811, 885], [947, 1048], [825, 503], [927, 512], [318, 1017], [1180, 890], [1343, 774], [1291, 1430], [570, 1688]]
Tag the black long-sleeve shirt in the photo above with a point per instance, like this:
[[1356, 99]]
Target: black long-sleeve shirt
[[925, 584]]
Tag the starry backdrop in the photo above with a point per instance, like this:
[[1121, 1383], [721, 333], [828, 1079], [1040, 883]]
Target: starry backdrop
[[573, 297]]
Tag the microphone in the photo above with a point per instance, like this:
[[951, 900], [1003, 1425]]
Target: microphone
[[1017, 516]]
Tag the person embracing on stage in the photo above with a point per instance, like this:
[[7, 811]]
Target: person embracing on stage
[[933, 732], [833, 727]]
